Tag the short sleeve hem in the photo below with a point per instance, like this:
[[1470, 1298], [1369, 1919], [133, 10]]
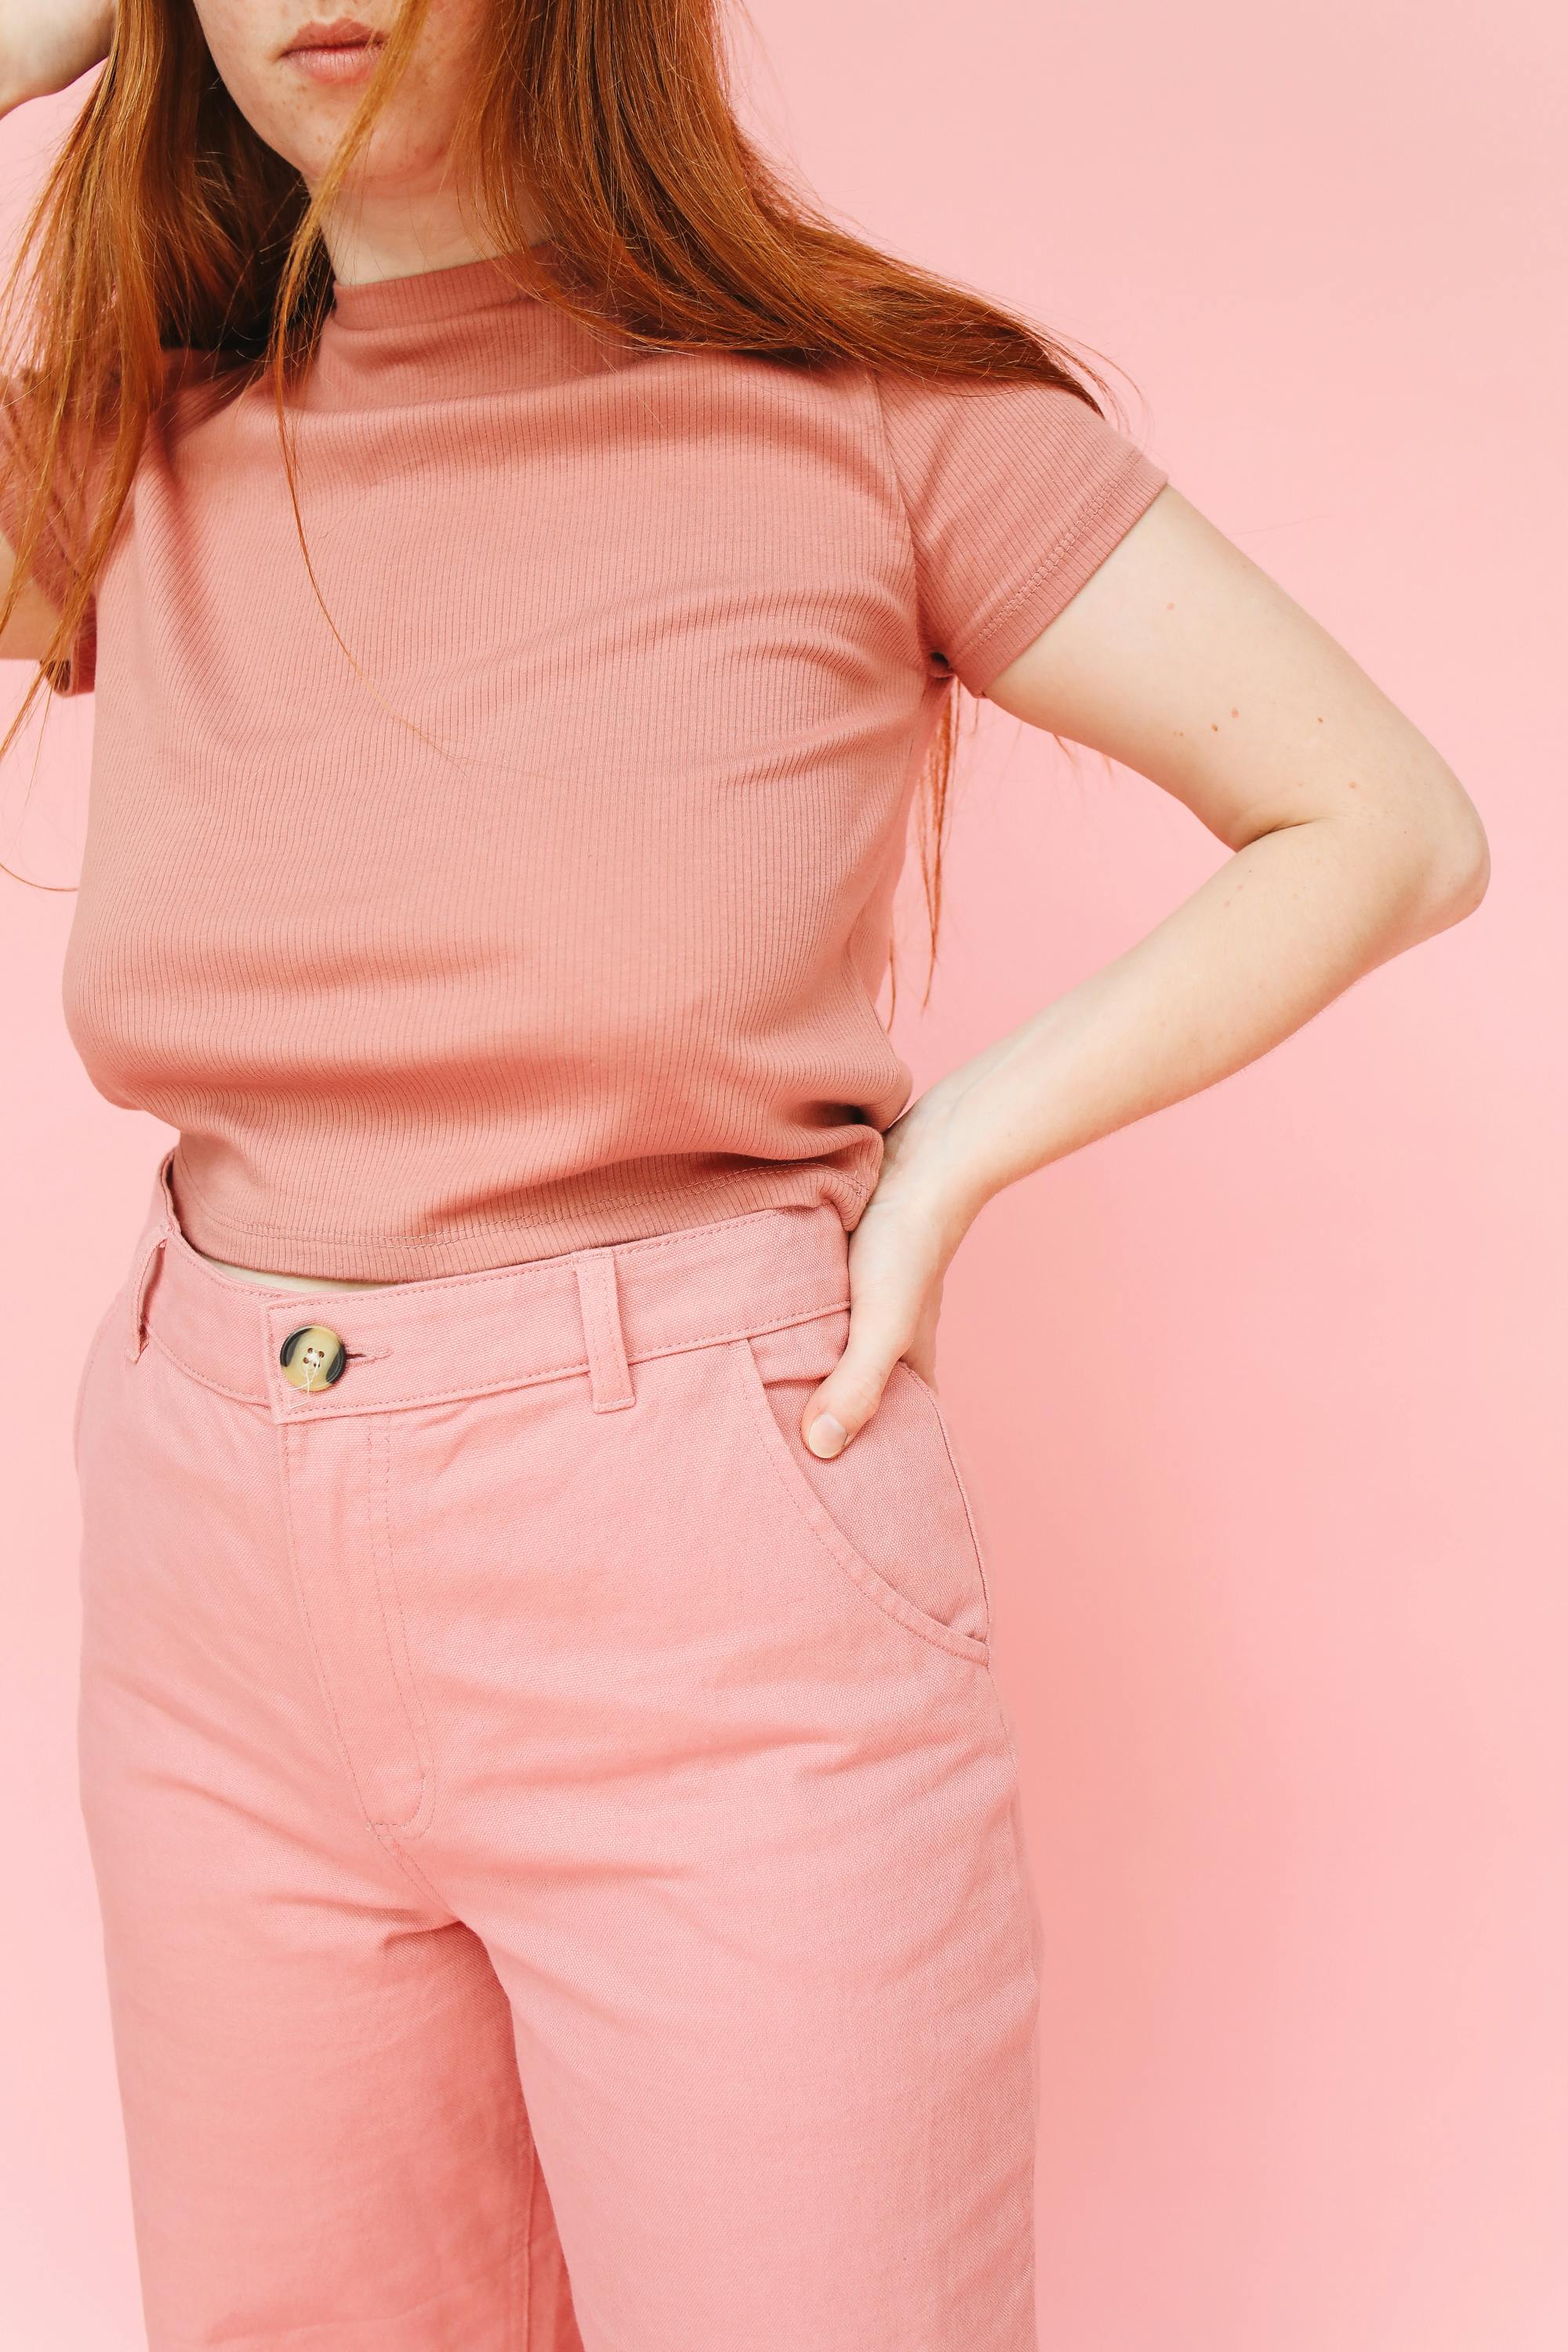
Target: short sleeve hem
[[997, 637]]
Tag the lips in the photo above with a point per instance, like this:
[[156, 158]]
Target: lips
[[342, 33], [340, 49]]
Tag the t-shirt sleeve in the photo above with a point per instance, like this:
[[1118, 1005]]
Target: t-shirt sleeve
[[1014, 493], [54, 552]]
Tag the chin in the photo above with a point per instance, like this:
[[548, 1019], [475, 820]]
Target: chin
[[397, 157]]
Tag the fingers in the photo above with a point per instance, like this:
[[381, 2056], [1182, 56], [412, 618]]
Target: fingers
[[847, 1398], [899, 1254]]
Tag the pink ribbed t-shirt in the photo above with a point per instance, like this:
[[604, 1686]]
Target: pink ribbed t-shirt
[[562, 918]]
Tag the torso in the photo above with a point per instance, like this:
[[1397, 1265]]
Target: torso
[[554, 912], [591, 948]]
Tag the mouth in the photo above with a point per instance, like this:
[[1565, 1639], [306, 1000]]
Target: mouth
[[339, 51]]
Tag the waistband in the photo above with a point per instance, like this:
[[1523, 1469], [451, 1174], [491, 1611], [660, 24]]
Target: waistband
[[597, 1311]]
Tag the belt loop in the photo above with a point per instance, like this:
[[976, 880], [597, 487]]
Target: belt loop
[[150, 1259], [609, 1374], [157, 1240]]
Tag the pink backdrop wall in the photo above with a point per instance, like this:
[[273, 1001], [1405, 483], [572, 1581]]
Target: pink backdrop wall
[[1264, 1398]]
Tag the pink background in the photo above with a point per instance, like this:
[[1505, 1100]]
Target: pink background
[[1264, 1398]]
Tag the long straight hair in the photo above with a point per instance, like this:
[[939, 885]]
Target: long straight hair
[[166, 224]]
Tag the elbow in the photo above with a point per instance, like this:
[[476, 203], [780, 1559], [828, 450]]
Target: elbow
[[1454, 864]]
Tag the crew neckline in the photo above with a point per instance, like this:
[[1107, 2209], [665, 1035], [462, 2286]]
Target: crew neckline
[[449, 292]]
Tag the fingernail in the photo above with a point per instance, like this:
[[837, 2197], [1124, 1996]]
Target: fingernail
[[827, 1436]]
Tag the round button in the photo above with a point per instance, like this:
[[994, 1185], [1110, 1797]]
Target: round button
[[312, 1357]]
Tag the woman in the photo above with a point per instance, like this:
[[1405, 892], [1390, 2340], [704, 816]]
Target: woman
[[555, 1827]]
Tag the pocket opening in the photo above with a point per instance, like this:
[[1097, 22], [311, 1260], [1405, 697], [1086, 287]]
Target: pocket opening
[[938, 1506]]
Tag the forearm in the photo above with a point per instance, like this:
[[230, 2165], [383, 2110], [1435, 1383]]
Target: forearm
[[46, 45], [1286, 924]]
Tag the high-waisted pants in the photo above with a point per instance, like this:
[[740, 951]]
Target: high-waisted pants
[[557, 1840]]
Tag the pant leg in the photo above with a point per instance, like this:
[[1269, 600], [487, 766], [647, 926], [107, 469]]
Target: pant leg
[[694, 1736], [727, 1791], [328, 2142]]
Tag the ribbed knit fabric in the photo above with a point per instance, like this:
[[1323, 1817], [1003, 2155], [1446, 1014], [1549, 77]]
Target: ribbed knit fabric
[[560, 919]]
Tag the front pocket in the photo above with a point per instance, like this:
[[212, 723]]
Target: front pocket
[[890, 1510]]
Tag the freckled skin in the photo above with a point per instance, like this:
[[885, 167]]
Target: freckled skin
[[303, 120]]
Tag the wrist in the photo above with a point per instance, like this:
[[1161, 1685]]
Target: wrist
[[930, 1169]]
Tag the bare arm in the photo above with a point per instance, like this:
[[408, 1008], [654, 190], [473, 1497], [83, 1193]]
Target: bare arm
[[44, 46], [1353, 840]]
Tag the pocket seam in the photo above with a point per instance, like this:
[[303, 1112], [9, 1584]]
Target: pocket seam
[[939, 1416], [820, 1521]]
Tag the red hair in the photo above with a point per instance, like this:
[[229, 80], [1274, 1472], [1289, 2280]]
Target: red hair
[[167, 223]]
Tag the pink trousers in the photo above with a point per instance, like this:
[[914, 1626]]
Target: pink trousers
[[557, 1840]]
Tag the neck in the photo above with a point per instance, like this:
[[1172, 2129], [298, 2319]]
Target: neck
[[418, 232]]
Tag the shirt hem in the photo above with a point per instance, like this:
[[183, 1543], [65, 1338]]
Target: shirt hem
[[380, 1258]]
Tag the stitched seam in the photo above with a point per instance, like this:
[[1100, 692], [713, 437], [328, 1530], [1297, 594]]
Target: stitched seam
[[868, 1580], [419, 1736], [332, 1705], [377, 1829], [947, 1445], [330, 1412], [239, 1396], [891, 462], [1065, 541], [319, 1408], [412, 1870], [608, 1370], [680, 1346]]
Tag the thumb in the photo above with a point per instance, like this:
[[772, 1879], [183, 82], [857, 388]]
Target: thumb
[[847, 1399]]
